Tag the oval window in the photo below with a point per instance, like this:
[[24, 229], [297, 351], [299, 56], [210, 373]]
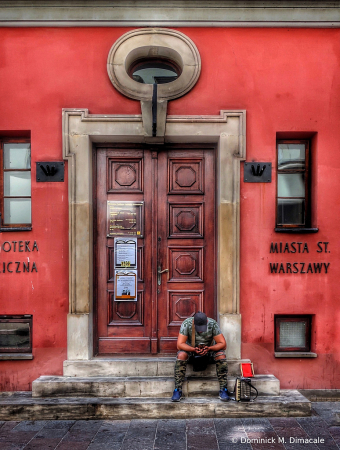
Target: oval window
[[154, 71]]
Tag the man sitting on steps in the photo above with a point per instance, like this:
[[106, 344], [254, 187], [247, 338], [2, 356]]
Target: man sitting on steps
[[207, 340]]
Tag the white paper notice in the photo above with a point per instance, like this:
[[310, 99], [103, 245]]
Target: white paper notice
[[125, 285], [126, 253]]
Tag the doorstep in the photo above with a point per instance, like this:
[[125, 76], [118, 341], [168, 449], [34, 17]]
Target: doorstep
[[290, 403], [139, 367]]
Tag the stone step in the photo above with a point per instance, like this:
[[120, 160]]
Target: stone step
[[290, 403], [52, 386], [138, 367]]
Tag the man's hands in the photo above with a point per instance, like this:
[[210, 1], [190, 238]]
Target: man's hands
[[219, 345], [201, 350]]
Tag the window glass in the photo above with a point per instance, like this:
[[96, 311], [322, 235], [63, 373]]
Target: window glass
[[291, 185], [17, 211], [291, 156], [14, 335], [154, 71], [17, 184], [15, 188], [17, 156], [291, 211], [293, 334]]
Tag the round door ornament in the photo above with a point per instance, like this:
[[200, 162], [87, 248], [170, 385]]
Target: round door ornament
[[141, 58]]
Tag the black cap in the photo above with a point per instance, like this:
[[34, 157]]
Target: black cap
[[200, 321]]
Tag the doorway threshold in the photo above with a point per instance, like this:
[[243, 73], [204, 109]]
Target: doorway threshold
[[132, 366], [133, 356]]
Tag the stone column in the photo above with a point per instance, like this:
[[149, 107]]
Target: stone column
[[230, 151], [77, 150]]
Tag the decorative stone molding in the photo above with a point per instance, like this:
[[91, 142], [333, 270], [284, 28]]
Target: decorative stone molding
[[151, 43], [170, 13], [80, 131]]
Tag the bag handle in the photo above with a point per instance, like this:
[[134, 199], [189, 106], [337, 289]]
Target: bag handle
[[193, 334], [253, 387]]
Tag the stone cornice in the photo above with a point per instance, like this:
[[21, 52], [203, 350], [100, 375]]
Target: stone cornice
[[194, 13]]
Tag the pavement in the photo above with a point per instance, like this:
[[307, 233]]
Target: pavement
[[319, 431]]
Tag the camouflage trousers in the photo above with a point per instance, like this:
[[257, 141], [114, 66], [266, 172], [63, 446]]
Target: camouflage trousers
[[221, 371]]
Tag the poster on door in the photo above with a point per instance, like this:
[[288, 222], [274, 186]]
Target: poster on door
[[125, 285], [125, 251]]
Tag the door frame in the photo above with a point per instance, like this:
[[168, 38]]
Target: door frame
[[80, 131]]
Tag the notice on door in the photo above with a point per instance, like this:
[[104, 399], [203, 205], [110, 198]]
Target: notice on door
[[125, 253], [125, 285], [125, 218]]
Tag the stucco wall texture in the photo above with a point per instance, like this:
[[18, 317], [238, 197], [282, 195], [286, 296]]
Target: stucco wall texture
[[287, 80]]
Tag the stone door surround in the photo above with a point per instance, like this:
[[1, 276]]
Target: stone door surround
[[81, 131]]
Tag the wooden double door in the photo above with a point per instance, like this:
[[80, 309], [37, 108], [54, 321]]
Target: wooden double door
[[176, 255]]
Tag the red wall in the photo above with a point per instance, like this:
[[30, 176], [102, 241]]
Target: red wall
[[287, 80]]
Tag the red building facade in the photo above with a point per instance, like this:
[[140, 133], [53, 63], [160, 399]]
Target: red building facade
[[259, 84]]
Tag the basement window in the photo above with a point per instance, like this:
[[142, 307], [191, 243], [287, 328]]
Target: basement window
[[16, 337], [293, 336]]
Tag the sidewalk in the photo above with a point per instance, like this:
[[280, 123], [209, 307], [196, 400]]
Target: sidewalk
[[320, 431]]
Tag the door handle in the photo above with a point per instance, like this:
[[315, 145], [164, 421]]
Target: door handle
[[159, 272]]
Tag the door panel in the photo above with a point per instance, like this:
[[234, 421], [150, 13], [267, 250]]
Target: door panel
[[185, 265], [186, 239], [122, 327], [178, 191], [125, 175]]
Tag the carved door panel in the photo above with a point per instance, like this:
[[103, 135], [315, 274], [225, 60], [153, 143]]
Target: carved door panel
[[178, 239]]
